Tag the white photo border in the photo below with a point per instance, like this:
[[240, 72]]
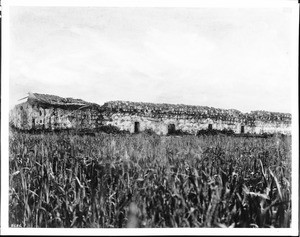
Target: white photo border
[[6, 230]]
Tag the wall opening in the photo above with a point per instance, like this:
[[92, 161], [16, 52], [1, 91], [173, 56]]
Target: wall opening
[[33, 123], [171, 128], [242, 129], [210, 126], [136, 127]]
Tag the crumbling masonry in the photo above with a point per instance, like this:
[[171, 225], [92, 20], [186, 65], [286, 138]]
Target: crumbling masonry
[[49, 112]]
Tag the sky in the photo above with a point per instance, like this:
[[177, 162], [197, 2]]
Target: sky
[[231, 58]]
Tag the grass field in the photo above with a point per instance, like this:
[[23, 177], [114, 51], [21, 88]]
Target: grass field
[[141, 180]]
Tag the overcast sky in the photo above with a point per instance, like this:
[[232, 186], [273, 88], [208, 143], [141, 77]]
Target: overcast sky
[[225, 58]]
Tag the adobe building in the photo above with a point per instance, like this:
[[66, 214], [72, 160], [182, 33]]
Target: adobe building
[[50, 112]]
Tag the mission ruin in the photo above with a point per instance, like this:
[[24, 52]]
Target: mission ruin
[[49, 112]]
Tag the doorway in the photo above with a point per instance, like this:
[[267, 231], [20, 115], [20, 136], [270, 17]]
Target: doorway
[[136, 127], [242, 129], [171, 128], [33, 123]]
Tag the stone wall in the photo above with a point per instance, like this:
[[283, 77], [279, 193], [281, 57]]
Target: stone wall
[[160, 125], [53, 112], [27, 116], [191, 119], [192, 126]]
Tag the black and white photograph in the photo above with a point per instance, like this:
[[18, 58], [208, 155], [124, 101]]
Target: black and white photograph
[[149, 118]]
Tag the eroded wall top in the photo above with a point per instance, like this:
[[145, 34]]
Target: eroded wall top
[[161, 111], [45, 100], [197, 112]]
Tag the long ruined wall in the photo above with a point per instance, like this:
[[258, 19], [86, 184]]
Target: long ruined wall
[[160, 125], [191, 119], [192, 126], [53, 112]]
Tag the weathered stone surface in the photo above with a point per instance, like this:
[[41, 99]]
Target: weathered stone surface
[[35, 114], [54, 112]]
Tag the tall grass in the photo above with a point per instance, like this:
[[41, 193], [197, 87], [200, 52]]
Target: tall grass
[[149, 181]]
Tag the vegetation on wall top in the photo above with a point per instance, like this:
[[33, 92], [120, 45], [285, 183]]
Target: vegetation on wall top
[[198, 112]]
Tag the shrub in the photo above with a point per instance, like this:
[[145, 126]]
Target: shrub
[[110, 129], [149, 132], [178, 132]]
